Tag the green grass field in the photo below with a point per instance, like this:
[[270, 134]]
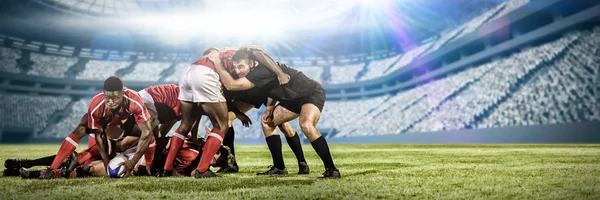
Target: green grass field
[[368, 172]]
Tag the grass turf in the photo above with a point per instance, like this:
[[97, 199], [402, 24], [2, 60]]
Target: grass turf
[[368, 172]]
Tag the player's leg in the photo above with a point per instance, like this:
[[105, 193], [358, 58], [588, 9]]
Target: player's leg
[[187, 121], [217, 113], [229, 139], [293, 141], [309, 116], [67, 148], [280, 116]]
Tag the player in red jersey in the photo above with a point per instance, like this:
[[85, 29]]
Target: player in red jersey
[[114, 106], [201, 92]]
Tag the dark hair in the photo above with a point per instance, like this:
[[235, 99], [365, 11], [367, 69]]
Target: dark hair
[[209, 50], [113, 83], [242, 54]]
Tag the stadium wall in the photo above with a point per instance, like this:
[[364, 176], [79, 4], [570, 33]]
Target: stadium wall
[[584, 132]]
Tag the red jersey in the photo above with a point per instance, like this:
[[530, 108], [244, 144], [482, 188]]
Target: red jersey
[[166, 101], [99, 116], [225, 59]]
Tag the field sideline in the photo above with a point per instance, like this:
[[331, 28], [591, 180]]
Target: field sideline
[[368, 172]]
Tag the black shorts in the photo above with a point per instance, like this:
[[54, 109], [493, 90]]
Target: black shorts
[[317, 98]]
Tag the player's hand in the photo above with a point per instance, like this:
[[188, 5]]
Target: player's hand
[[283, 80], [244, 118], [267, 116], [129, 166], [214, 57]]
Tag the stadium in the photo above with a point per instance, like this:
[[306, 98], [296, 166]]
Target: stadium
[[432, 99]]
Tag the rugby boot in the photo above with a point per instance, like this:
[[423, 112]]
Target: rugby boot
[[206, 174], [28, 173], [273, 171], [169, 173], [50, 173], [303, 168], [16, 164], [331, 173], [228, 169]]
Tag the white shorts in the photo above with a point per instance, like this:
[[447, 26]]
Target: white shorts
[[200, 84], [129, 153], [149, 103]]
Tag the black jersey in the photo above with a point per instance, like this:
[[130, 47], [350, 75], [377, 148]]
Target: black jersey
[[266, 81]]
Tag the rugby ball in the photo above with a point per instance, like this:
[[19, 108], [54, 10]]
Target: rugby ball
[[114, 168]]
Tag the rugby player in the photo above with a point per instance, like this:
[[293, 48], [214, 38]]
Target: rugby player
[[300, 97], [201, 92]]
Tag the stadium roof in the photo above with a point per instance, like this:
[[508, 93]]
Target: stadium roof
[[311, 26]]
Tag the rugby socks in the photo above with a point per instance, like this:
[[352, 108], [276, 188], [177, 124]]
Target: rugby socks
[[89, 155], [211, 146], [45, 161], [294, 143], [149, 154], [274, 144], [322, 149], [229, 142], [176, 142], [67, 148], [229, 138], [91, 140]]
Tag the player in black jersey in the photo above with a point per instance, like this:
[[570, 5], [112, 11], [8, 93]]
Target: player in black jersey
[[300, 97]]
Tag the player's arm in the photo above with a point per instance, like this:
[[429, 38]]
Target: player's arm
[[265, 59], [144, 141], [228, 81], [239, 114], [93, 123], [101, 143]]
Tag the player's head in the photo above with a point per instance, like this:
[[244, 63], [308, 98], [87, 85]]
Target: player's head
[[113, 92], [209, 50], [242, 62]]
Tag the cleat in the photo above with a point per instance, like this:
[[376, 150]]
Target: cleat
[[331, 173], [206, 174], [10, 172], [16, 164], [71, 162], [228, 169], [169, 173], [273, 171], [50, 173], [303, 168], [29, 174]]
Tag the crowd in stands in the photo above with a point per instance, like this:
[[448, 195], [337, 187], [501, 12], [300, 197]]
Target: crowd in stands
[[344, 74], [147, 71], [8, 58], [29, 111], [50, 66], [70, 118], [99, 70]]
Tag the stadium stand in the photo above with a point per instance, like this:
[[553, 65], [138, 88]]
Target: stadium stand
[[29, 111], [50, 66], [174, 77], [344, 74], [476, 99], [71, 116], [562, 92], [100, 70], [376, 68], [147, 71], [8, 58], [313, 72]]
